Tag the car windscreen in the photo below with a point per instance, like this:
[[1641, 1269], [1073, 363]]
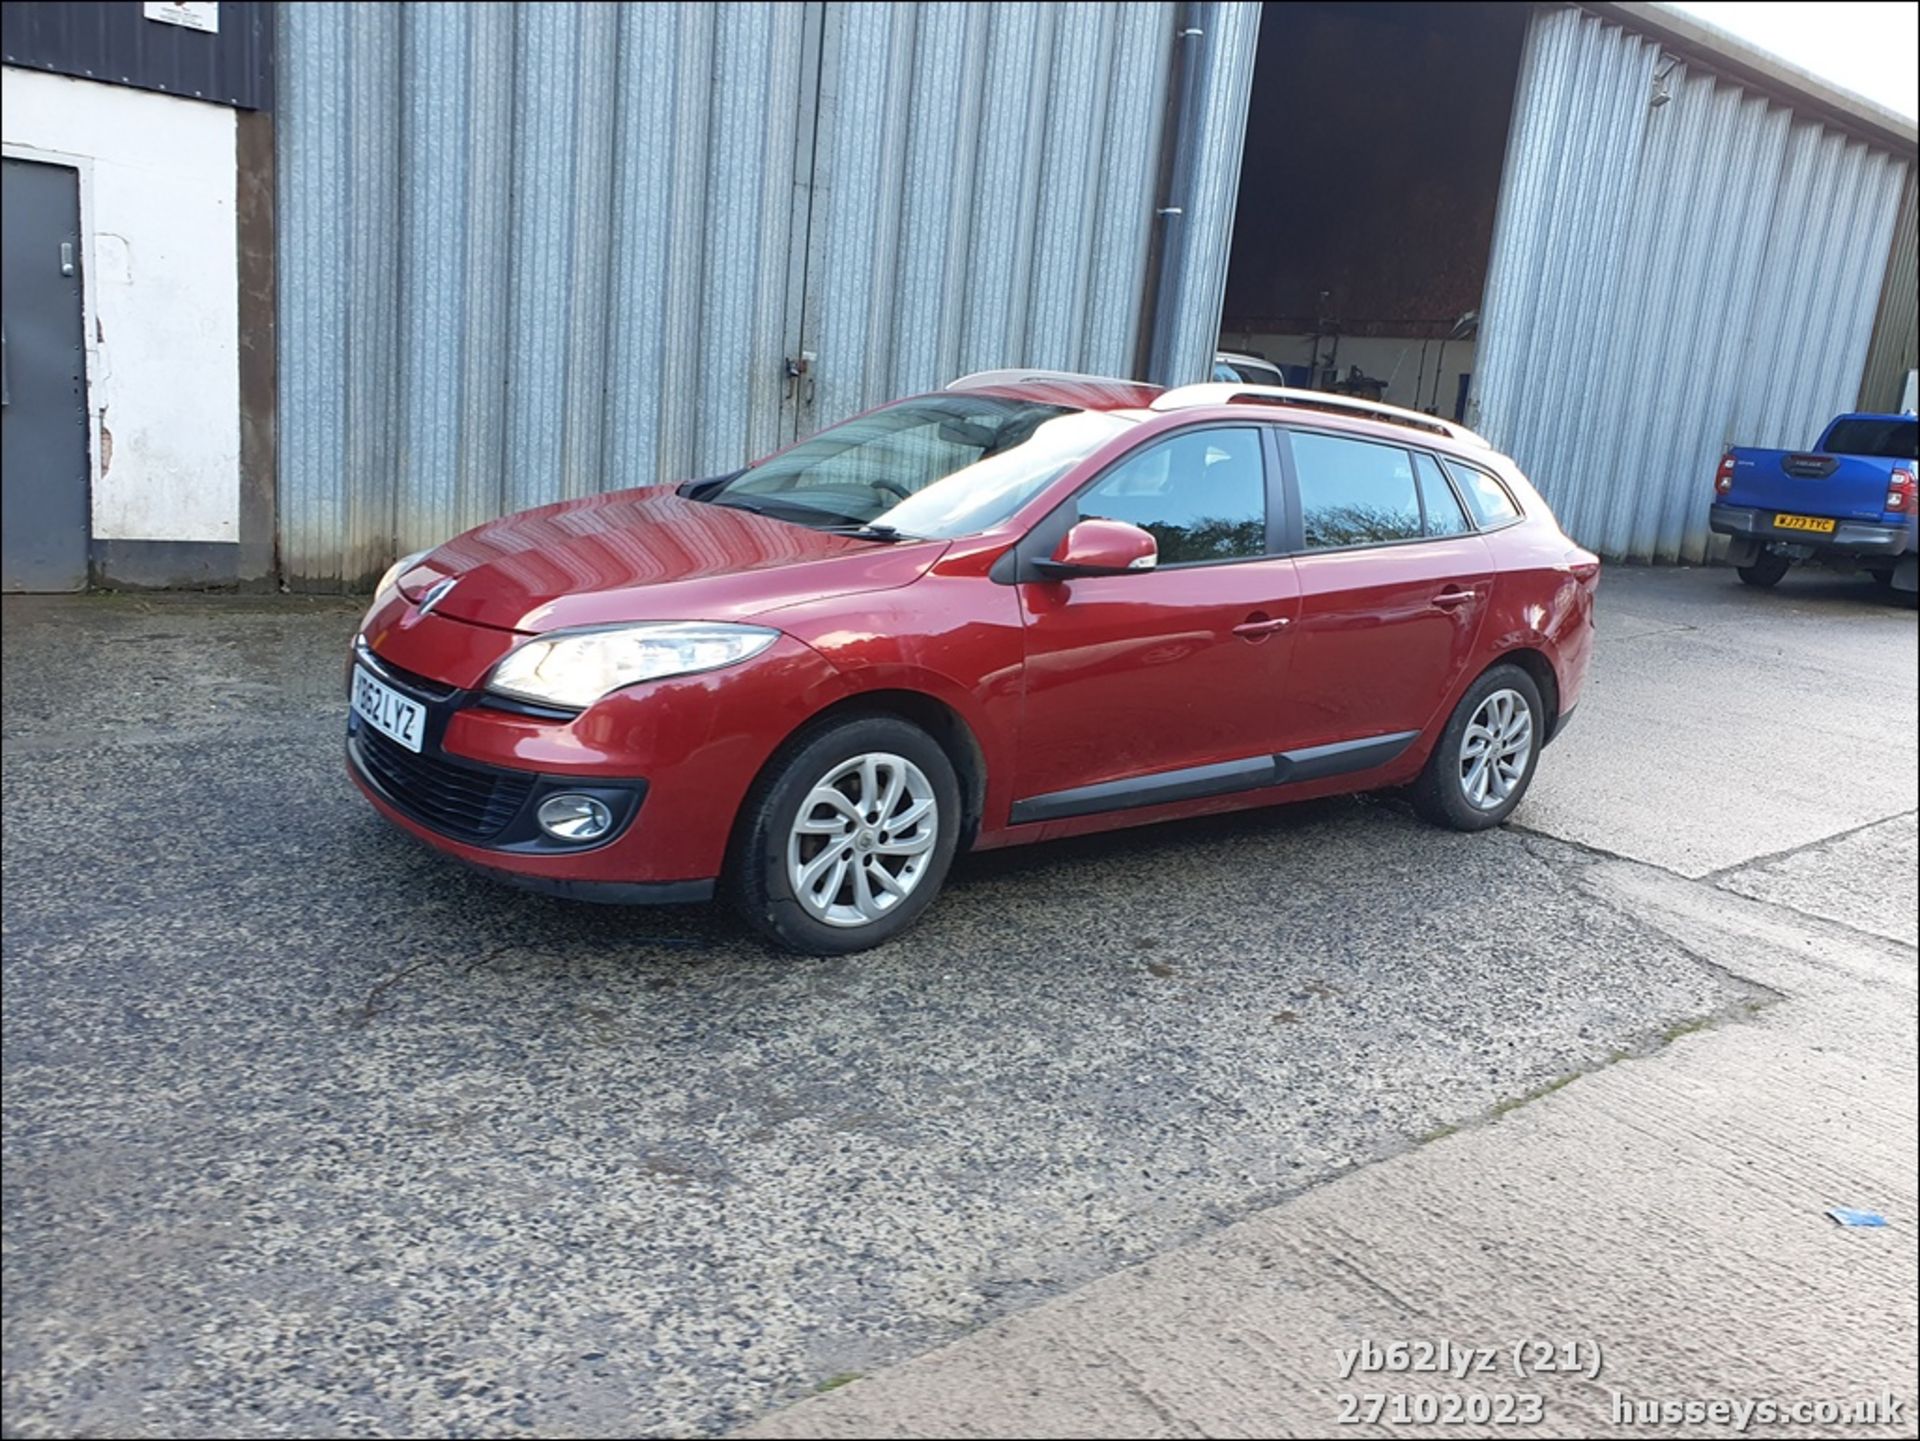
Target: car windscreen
[[938, 466], [1889, 437]]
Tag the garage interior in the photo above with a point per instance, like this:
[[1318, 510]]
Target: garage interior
[[1375, 140]]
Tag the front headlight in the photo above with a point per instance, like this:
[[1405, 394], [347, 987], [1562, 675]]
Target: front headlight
[[576, 668], [399, 568]]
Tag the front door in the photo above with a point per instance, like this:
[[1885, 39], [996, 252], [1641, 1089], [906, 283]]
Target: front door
[[1168, 684], [44, 520], [1394, 586]]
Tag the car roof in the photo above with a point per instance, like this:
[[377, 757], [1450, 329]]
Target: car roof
[[1142, 402], [1060, 387]]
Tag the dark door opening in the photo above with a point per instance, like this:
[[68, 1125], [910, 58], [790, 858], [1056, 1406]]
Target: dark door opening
[[1376, 135], [44, 520]]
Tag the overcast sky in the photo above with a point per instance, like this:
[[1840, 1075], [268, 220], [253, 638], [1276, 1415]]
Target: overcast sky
[[1868, 47]]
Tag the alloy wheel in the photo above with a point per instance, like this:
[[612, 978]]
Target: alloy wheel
[[1495, 749], [863, 838]]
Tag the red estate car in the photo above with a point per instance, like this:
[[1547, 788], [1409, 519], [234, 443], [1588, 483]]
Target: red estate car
[[1028, 606]]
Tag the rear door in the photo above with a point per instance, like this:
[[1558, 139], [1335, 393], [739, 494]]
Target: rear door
[[1166, 684], [1394, 586]]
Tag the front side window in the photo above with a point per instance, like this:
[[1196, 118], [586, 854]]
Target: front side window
[[1444, 515], [1202, 495], [1354, 492], [937, 467], [1487, 497]]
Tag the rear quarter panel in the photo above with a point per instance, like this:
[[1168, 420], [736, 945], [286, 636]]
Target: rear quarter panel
[[1544, 591]]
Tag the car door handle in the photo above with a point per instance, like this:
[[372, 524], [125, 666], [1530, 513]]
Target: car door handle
[[1254, 629], [1454, 597]]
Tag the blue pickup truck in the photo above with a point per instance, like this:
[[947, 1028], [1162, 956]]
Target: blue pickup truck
[[1849, 501]]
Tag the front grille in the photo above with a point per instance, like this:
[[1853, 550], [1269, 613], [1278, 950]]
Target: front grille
[[463, 801], [432, 691]]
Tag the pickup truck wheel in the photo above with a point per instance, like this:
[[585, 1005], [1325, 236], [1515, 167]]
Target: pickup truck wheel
[[1766, 571]]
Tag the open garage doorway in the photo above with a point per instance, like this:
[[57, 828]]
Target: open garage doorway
[[1376, 134]]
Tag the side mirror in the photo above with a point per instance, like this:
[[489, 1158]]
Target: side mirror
[[1101, 547]]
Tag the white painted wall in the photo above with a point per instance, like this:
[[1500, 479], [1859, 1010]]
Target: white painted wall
[[1392, 358], [162, 296]]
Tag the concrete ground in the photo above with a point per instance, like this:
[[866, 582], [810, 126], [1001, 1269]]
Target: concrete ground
[[308, 1132]]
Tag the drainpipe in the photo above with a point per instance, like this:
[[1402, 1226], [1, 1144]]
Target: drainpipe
[[1167, 243]]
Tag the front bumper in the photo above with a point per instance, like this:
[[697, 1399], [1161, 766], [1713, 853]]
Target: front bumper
[[1848, 538], [527, 869], [482, 805], [672, 758], [466, 800]]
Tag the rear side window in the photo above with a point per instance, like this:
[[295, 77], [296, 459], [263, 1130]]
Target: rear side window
[[1444, 515], [1202, 495], [1889, 438], [1354, 492], [1486, 497]]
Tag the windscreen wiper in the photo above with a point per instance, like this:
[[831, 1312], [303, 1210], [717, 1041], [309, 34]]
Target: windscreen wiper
[[871, 530]]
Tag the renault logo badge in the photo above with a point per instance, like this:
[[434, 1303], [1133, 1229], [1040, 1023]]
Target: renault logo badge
[[437, 594]]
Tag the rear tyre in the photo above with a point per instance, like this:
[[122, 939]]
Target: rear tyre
[[1766, 571], [1484, 760], [847, 837]]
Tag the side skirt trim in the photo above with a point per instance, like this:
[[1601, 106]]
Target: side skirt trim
[[1310, 763]]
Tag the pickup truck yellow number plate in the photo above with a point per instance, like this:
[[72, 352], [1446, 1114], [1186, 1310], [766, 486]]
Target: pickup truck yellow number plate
[[1803, 522]]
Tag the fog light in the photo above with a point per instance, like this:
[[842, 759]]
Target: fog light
[[572, 817]]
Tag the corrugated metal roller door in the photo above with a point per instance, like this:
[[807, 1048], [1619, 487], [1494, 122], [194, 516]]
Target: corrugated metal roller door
[[1667, 280], [530, 252], [523, 250]]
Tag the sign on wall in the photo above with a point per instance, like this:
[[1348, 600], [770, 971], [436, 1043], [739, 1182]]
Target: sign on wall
[[198, 50], [192, 14]]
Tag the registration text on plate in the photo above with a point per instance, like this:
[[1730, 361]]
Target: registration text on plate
[[1803, 522], [387, 711]]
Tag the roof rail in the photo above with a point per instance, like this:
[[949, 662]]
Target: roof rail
[[987, 379], [1187, 396]]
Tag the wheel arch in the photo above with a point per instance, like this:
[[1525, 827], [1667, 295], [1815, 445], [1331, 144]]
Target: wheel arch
[[929, 713], [1539, 668]]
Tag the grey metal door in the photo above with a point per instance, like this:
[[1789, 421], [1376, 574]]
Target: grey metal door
[[43, 383]]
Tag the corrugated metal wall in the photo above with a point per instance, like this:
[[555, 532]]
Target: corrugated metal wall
[[1666, 281], [982, 192], [533, 251], [1895, 346]]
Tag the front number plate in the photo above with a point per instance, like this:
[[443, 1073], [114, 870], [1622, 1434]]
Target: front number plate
[[387, 711], [1803, 522]]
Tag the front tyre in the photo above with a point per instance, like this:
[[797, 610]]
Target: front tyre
[[1484, 760], [847, 837], [1766, 571]]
